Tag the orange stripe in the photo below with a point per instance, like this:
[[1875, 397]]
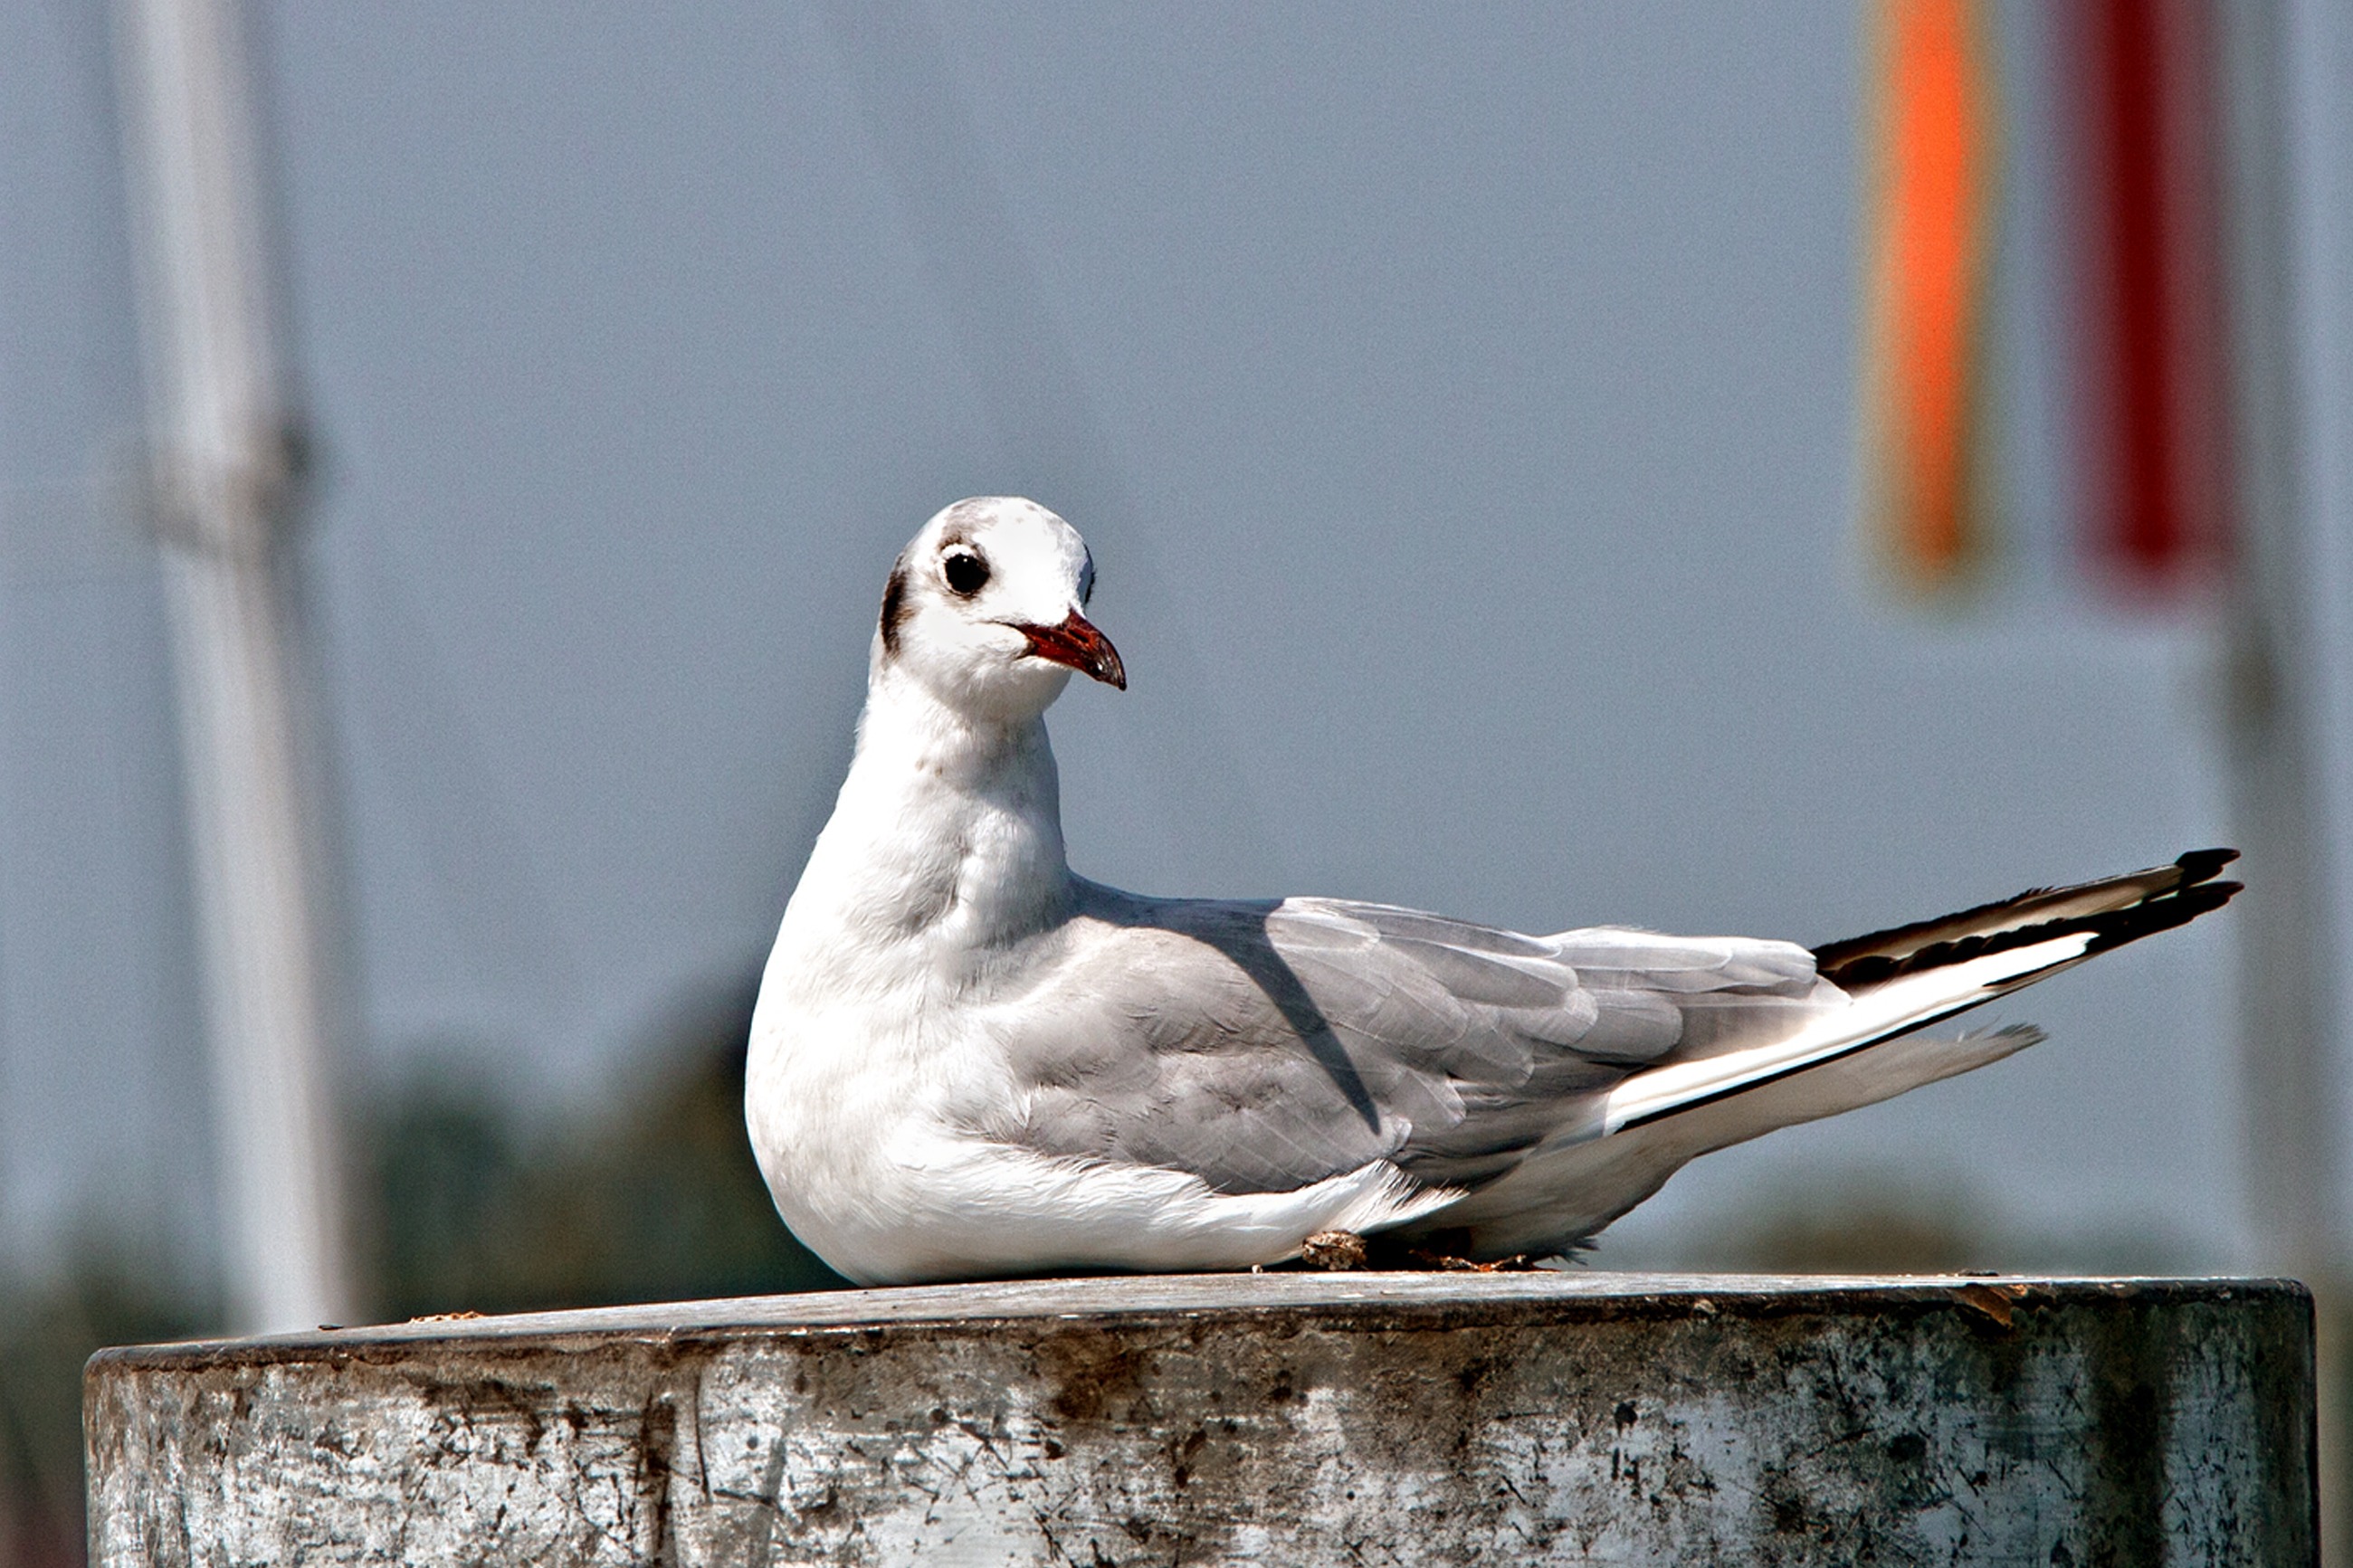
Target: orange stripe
[[1924, 338]]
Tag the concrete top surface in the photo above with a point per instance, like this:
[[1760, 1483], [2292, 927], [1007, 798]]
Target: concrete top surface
[[1304, 1419], [1574, 1292]]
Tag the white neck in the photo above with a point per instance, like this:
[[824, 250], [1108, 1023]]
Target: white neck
[[946, 841]]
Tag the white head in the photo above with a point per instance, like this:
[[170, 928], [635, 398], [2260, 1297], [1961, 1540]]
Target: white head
[[984, 610]]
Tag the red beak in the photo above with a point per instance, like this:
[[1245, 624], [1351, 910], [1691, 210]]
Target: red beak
[[1077, 644]]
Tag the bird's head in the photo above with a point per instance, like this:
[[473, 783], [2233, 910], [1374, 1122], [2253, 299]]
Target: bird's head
[[985, 608]]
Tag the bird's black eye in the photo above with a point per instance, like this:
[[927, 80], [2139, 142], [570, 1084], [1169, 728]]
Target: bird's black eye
[[967, 572]]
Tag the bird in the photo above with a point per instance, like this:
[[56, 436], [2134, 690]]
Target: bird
[[966, 1061]]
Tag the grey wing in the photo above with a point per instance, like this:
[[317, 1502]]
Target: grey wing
[[1267, 1045]]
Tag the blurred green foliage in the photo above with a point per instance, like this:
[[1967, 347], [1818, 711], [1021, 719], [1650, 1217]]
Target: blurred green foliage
[[1891, 1222], [465, 1204], [654, 1198], [106, 1295]]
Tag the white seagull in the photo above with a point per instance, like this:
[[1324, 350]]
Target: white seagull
[[968, 1062]]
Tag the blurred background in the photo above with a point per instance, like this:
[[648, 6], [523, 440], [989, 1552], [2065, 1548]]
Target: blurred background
[[1785, 470]]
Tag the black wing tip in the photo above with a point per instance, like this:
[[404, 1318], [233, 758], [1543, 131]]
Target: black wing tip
[[2164, 913], [2203, 864], [1870, 960]]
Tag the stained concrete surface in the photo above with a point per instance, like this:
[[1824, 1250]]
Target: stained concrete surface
[[1279, 1418]]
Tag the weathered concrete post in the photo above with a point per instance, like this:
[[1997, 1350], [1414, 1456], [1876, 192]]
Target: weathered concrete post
[[1278, 1418]]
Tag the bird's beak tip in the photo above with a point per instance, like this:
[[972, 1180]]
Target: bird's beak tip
[[1077, 644]]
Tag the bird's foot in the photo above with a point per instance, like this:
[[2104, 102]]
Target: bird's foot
[[1442, 1263], [1342, 1251], [1336, 1250]]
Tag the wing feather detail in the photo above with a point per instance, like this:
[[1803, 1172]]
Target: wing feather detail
[[1266, 1046]]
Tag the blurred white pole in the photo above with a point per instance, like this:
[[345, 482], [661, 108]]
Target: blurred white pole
[[226, 474], [2290, 740], [2288, 631]]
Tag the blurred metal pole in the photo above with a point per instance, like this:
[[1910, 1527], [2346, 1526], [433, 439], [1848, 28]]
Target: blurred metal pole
[[227, 481], [2278, 627], [2290, 638]]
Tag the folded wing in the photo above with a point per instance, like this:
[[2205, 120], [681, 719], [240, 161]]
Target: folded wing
[[1264, 1046]]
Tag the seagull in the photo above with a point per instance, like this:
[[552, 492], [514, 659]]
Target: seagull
[[969, 1062]]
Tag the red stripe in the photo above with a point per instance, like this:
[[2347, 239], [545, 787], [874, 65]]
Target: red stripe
[[2157, 424]]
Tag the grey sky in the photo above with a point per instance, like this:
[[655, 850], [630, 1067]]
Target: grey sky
[[1462, 416]]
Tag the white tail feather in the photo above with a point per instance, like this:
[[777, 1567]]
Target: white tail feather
[[1894, 1009]]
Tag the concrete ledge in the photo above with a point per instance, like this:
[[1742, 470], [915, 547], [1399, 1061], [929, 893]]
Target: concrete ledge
[[1282, 1418]]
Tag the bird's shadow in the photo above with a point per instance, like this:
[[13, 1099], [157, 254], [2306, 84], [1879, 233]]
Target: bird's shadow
[[1240, 932]]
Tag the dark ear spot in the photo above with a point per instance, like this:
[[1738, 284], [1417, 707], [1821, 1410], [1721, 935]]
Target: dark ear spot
[[894, 608]]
